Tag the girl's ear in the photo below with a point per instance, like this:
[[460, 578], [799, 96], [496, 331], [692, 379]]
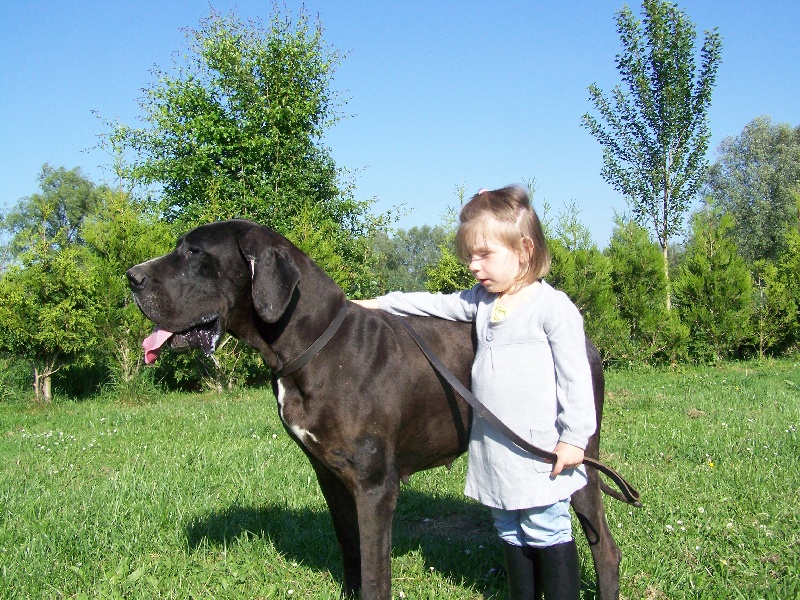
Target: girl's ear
[[527, 249]]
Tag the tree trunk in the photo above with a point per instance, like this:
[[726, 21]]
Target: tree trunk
[[666, 274], [37, 391], [43, 383]]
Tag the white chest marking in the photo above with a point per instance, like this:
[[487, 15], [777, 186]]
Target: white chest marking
[[302, 434]]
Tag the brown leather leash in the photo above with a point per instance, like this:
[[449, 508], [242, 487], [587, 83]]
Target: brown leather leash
[[629, 493], [318, 345]]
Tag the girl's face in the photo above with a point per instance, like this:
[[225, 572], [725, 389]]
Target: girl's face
[[496, 266]]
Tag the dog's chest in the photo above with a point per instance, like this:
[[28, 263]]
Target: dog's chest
[[291, 413]]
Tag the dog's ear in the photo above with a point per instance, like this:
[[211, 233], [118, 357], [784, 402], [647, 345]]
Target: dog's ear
[[274, 275]]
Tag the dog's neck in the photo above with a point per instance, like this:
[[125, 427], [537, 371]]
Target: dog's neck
[[315, 303]]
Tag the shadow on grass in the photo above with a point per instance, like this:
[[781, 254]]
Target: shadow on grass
[[454, 537]]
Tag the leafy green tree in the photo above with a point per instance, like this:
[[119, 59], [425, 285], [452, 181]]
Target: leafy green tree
[[774, 310], [449, 274], [47, 295], [789, 272], [121, 233], [403, 260], [655, 134], [755, 178], [582, 272], [47, 312], [713, 291], [640, 287], [55, 214], [236, 131]]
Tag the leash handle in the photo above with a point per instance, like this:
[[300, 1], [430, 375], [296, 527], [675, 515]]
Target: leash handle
[[631, 496]]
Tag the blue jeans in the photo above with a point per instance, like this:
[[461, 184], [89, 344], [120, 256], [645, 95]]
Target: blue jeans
[[538, 527]]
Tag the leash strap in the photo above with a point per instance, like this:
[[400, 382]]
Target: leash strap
[[318, 345], [628, 491]]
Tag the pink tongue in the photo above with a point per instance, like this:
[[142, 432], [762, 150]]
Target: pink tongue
[[152, 344]]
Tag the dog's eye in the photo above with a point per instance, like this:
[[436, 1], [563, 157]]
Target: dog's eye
[[194, 250]]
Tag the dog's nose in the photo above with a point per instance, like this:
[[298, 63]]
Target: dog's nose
[[135, 277]]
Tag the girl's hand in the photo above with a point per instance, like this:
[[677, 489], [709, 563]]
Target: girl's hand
[[370, 303], [569, 457]]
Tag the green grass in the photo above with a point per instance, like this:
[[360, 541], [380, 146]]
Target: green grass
[[204, 496]]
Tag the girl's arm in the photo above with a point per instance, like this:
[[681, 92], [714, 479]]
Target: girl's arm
[[576, 411], [459, 306], [370, 303]]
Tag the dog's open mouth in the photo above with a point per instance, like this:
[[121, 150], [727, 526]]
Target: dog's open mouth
[[205, 336]]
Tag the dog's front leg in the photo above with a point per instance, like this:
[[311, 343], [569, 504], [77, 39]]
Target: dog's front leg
[[342, 508], [376, 505]]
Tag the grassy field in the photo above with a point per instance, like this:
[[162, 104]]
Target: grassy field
[[204, 496]]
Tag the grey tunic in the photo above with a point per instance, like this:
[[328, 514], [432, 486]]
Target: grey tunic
[[530, 370]]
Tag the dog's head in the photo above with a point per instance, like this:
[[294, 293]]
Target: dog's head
[[217, 275]]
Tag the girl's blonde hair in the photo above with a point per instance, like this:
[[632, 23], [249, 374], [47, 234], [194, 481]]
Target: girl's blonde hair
[[504, 215]]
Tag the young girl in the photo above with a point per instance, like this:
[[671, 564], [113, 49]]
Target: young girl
[[530, 370]]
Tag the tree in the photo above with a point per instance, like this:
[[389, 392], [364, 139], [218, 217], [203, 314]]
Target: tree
[[236, 131], [449, 274], [789, 271], [640, 287], [655, 135], [404, 258], [47, 307], [47, 312], [713, 291], [755, 178], [121, 233], [54, 215], [582, 272], [774, 310]]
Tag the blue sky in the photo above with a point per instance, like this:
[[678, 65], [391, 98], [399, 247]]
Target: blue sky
[[440, 93]]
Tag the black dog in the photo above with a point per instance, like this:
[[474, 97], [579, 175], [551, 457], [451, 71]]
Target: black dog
[[365, 407]]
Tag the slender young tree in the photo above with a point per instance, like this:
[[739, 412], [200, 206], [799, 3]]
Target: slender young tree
[[655, 133]]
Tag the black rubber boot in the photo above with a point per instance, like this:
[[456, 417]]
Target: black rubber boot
[[519, 570], [558, 571]]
